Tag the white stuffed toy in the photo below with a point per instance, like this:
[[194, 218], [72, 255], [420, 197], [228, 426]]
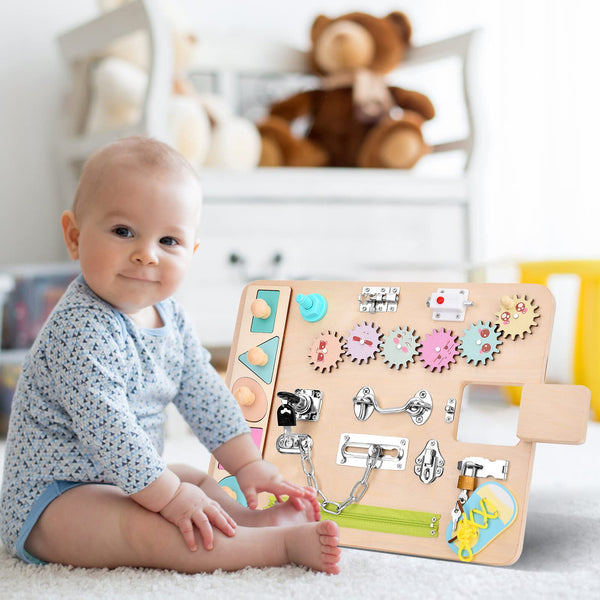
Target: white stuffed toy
[[201, 127]]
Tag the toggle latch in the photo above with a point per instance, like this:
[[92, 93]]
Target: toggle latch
[[429, 465], [418, 407]]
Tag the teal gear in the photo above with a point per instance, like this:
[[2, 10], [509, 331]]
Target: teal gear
[[480, 342], [400, 347]]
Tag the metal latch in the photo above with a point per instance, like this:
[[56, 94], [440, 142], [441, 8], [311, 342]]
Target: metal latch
[[378, 299], [418, 407], [429, 465], [393, 451], [450, 410]]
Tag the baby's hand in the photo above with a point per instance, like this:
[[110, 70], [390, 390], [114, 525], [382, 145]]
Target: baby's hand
[[262, 476], [191, 506]]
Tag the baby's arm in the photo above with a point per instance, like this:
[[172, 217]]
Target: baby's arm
[[241, 457], [185, 505]]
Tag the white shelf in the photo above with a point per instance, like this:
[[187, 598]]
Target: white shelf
[[12, 357], [362, 186]]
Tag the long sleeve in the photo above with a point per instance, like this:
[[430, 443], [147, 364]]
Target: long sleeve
[[89, 375]]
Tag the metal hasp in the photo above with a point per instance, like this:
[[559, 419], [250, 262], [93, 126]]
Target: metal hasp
[[391, 451], [418, 407], [483, 467], [305, 403], [449, 304], [378, 299], [429, 465]]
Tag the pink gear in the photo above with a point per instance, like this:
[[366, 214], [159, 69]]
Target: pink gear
[[439, 349], [326, 351], [362, 342]]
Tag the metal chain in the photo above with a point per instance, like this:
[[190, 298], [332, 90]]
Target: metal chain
[[360, 487]]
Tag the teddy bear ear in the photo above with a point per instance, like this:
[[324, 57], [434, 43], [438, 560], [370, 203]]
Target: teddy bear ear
[[319, 24], [402, 25]]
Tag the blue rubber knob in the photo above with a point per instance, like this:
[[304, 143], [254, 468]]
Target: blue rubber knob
[[312, 306]]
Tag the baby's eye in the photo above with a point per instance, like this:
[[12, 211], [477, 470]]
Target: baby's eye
[[168, 241], [123, 232]]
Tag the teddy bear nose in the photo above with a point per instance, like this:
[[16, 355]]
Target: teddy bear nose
[[341, 36]]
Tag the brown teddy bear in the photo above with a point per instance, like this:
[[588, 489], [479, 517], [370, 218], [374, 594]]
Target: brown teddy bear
[[356, 119]]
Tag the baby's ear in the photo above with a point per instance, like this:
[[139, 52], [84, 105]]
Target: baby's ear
[[70, 233]]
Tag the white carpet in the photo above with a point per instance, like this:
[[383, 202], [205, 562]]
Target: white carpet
[[561, 555]]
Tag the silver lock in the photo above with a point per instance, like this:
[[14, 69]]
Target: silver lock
[[305, 403]]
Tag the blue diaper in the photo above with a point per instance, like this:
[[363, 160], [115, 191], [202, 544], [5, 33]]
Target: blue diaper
[[54, 490]]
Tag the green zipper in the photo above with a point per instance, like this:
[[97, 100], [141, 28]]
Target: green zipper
[[387, 520]]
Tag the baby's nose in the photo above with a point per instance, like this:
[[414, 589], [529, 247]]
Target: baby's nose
[[144, 255]]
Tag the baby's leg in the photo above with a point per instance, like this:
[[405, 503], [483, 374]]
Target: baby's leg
[[99, 526], [281, 514]]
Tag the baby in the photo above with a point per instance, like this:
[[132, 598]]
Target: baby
[[84, 481]]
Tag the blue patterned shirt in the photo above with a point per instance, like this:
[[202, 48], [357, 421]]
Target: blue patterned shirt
[[89, 406]]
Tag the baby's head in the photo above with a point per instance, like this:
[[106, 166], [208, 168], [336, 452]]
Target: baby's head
[[130, 157], [134, 222]]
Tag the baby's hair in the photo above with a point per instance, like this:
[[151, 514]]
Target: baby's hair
[[133, 152]]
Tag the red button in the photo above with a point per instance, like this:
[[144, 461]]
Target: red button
[[440, 300]]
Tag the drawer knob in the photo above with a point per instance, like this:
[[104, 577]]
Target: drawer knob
[[257, 357], [245, 396], [260, 309]]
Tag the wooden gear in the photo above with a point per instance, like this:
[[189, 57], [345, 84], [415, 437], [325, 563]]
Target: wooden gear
[[548, 413]]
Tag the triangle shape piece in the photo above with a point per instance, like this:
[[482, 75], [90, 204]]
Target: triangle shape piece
[[266, 372]]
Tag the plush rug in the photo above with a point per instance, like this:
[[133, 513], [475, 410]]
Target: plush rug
[[560, 559]]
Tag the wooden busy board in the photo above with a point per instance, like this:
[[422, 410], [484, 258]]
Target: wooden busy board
[[415, 355]]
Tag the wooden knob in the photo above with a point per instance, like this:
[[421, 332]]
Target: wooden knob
[[506, 302], [245, 396], [260, 309], [257, 357]]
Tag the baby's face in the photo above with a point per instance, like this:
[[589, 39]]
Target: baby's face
[[137, 237]]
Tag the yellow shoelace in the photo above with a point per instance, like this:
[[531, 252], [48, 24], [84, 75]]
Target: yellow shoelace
[[467, 532]]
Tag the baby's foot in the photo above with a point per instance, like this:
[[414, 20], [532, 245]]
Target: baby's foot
[[315, 545], [293, 512]]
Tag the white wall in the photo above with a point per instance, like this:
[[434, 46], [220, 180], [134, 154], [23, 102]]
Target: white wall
[[538, 69], [31, 79]]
